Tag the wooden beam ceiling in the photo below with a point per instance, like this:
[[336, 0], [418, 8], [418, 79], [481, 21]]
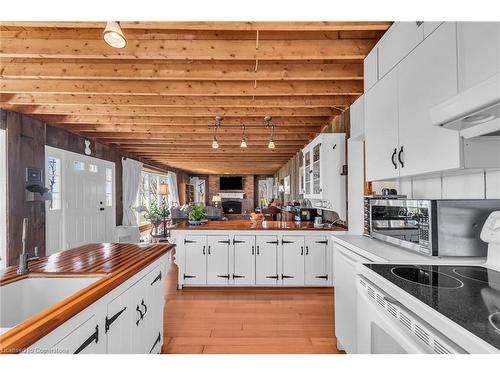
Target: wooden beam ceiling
[[156, 97]]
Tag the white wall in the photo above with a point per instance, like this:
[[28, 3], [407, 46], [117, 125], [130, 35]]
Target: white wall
[[478, 185], [3, 201]]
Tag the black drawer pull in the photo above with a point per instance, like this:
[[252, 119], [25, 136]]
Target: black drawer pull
[[225, 241], [322, 277], [324, 242], [238, 276], [140, 313], [307, 250], [302, 250], [209, 250], [203, 250], [253, 250], [272, 277], [145, 307], [392, 158], [224, 276], [189, 276], [258, 249], [111, 320], [157, 341], [157, 278], [93, 338], [400, 154], [287, 277]]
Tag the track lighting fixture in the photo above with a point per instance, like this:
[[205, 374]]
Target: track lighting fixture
[[268, 120], [113, 35], [243, 143], [215, 144]]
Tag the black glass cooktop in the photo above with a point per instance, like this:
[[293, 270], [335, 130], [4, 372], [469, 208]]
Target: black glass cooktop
[[468, 295]]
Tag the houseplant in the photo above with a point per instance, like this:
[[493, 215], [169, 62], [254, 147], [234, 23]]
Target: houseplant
[[197, 215]]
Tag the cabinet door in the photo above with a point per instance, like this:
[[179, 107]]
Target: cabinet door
[[121, 323], [88, 338], [293, 260], [266, 260], [316, 169], [370, 69], [428, 76], [195, 266], [429, 27], [218, 260], [357, 118], [307, 172], [400, 39], [478, 52], [381, 129], [316, 272], [244, 260], [154, 283]]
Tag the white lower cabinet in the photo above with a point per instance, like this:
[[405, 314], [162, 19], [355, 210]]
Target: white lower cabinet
[[293, 260], [195, 263], [240, 259], [129, 319], [244, 260], [315, 259], [218, 260], [266, 260]]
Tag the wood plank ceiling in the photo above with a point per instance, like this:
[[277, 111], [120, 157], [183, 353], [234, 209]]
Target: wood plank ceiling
[[156, 97]]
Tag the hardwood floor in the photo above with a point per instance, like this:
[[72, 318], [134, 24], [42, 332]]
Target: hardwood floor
[[248, 320]]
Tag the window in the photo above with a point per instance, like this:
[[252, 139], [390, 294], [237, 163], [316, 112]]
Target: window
[[93, 168], [109, 187], [54, 182], [78, 165], [149, 193]]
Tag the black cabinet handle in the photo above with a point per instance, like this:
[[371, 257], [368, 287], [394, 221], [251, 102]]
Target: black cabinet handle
[[238, 276], [111, 320], [272, 277], [209, 253], [157, 341], [307, 250], [101, 209], [302, 250], [90, 340], [224, 276], [325, 242], [157, 278], [287, 277], [253, 250], [322, 277], [140, 313], [203, 250], [145, 307], [400, 154], [258, 249], [392, 158]]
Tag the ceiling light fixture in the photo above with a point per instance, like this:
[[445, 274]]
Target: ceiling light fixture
[[215, 144], [243, 143], [113, 35], [269, 123]]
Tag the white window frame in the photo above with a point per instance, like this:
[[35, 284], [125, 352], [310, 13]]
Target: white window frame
[[150, 176]]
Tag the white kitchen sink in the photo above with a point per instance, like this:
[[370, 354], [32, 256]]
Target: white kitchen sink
[[25, 298]]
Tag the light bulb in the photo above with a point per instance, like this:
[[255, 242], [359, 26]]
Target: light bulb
[[243, 143], [271, 144], [215, 144]]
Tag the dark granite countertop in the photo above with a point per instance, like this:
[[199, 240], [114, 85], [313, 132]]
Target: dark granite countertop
[[467, 295]]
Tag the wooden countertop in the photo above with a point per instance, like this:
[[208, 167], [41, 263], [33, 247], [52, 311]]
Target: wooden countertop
[[247, 225], [114, 263]]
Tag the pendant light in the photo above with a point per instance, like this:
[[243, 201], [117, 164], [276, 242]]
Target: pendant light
[[113, 35], [271, 144], [243, 143], [215, 144]]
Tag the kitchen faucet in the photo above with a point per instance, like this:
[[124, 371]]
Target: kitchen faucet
[[23, 257]]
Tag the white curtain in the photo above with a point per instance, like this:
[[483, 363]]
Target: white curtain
[[131, 181], [173, 197]]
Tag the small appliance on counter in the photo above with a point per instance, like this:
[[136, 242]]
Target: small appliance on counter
[[432, 227], [305, 214]]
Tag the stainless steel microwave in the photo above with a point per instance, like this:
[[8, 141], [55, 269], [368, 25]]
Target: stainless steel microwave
[[432, 227]]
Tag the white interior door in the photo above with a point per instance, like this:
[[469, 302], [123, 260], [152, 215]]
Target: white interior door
[[82, 210]]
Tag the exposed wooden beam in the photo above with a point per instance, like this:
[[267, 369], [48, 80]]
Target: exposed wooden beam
[[274, 26], [339, 49], [182, 136], [173, 101], [181, 70], [198, 88], [171, 111]]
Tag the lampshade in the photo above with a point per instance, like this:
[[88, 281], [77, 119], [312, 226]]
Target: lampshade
[[164, 189], [113, 35], [216, 198]]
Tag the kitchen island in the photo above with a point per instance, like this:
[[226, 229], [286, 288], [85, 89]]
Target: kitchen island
[[86, 299], [239, 253]]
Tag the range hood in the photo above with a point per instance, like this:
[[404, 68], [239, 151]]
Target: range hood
[[474, 112]]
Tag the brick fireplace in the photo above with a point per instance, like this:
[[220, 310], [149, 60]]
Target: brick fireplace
[[247, 203]]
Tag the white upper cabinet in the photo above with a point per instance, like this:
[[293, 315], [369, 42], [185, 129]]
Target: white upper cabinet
[[478, 52], [428, 76], [381, 129], [370, 68], [357, 117], [399, 40]]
